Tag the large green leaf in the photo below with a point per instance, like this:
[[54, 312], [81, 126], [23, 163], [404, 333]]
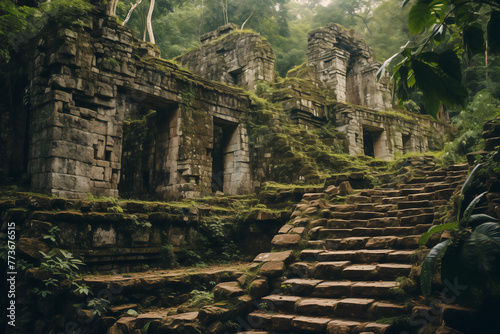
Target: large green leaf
[[430, 84], [428, 79], [435, 229], [450, 64], [418, 17], [453, 92], [469, 179], [429, 57], [429, 265], [494, 32], [431, 103], [476, 220], [474, 39], [464, 222], [482, 248]]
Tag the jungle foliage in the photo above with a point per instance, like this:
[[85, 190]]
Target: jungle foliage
[[472, 255], [453, 32]]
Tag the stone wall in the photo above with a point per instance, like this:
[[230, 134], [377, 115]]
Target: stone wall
[[111, 235], [104, 114], [232, 56], [341, 61], [82, 88], [383, 134]]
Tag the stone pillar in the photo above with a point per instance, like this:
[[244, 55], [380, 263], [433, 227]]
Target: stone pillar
[[331, 70]]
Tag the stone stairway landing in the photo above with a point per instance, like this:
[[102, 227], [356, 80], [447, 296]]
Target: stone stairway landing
[[340, 262]]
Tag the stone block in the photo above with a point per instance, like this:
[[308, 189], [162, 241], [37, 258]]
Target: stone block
[[104, 237]]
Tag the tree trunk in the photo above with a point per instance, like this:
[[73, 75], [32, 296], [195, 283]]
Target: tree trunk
[[148, 22], [130, 11], [111, 7]]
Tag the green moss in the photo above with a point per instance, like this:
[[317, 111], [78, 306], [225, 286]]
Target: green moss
[[407, 116], [298, 70]]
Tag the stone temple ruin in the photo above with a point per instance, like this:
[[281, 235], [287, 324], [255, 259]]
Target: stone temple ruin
[[76, 130]]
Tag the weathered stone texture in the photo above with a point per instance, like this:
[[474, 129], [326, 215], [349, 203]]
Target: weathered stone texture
[[106, 115], [341, 61], [382, 134], [84, 87], [232, 56]]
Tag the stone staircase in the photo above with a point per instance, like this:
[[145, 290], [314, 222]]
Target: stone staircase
[[337, 263]]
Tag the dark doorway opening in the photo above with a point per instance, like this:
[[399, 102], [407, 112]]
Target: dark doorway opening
[[236, 76], [222, 155], [147, 145], [406, 144], [372, 144], [368, 143]]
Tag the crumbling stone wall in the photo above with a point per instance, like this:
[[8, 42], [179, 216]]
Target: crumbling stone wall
[[83, 86], [383, 134], [341, 61], [232, 56], [106, 114]]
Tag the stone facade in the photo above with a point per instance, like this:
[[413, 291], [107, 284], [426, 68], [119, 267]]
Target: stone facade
[[232, 56], [103, 114], [383, 134], [346, 66], [81, 89]]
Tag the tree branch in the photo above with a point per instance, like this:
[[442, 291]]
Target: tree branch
[[130, 12]]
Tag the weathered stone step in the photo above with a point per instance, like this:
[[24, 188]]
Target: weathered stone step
[[286, 240], [359, 215], [329, 269], [384, 271], [356, 199], [326, 233], [412, 186], [353, 223], [414, 204], [424, 218], [357, 256], [168, 322], [342, 270], [410, 212], [411, 191], [342, 207], [380, 192], [457, 172], [459, 167], [380, 242], [313, 196], [456, 178], [416, 180], [438, 186], [393, 200], [327, 308], [436, 178], [422, 196], [344, 289], [439, 172]]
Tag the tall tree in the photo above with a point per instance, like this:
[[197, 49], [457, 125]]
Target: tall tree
[[148, 21]]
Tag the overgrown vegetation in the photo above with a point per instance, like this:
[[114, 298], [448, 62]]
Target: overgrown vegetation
[[472, 255], [19, 24]]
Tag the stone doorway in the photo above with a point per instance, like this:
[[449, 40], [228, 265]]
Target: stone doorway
[[406, 143], [150, 148], [224, 146], [372, 142]]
